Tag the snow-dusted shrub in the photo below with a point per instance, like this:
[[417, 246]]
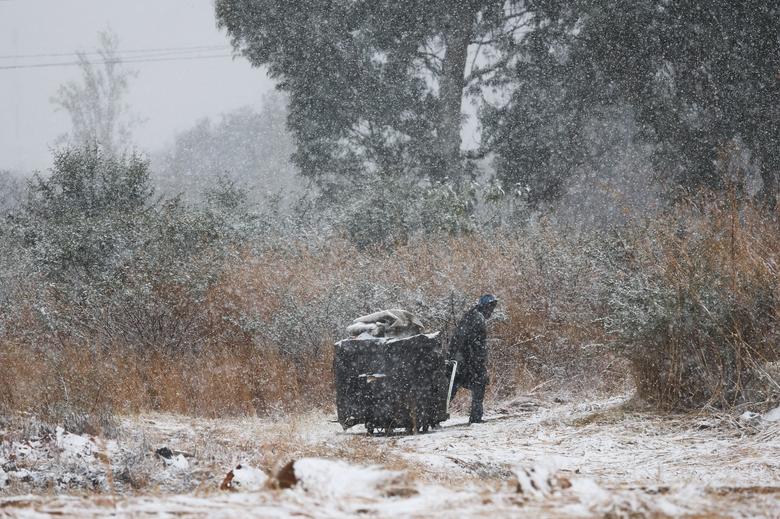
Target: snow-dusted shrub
[[298, 300], [11, 189], [105, 261], [387, 211], [695, 303], [111, 300]]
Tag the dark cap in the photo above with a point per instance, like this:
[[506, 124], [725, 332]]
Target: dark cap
[[487, 299]]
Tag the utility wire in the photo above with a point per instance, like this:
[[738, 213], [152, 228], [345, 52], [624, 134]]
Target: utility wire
[[118, 61], [132, 51]]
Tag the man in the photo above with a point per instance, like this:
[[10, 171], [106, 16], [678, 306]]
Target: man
[[468, 346]]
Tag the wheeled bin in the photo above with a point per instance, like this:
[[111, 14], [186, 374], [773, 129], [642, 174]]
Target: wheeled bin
[[388, 383]]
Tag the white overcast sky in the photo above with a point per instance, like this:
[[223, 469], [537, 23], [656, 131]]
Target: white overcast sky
[[170, 95]]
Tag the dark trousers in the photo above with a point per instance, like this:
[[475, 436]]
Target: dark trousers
[[477, 396]]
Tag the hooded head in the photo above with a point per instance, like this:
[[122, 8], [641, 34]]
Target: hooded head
[[486, 304]]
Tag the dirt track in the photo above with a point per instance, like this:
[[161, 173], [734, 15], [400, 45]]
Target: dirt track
[[532, 457]]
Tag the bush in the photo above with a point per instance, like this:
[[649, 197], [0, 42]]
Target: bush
[[695, 302], [106, 262], [387, 211], [114, 301]]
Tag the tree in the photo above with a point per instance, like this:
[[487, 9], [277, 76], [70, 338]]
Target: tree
[[96, 105], [376, 86], [698, 77], [537, 136], [78, 221], [11, 187], [102, 257], [251, 147]]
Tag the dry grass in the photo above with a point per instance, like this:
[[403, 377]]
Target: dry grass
[[221, 381], [264, 331], [269, 324], [711, 276]]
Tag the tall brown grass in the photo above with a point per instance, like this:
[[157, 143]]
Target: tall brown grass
[[673, 303], [229, 380], [698, 305]]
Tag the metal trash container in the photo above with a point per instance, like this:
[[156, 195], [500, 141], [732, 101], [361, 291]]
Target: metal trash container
[[388, 383]]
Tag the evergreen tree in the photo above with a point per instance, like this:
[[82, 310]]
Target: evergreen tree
[[376, 86], [699, 77]]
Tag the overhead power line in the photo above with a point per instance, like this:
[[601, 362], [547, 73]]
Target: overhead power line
[[103, 62], [174, 50]]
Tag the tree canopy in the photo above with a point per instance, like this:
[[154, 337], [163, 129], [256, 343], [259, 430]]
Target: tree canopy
[[702, 79], [97, 105], [378, 86], [375, 86]]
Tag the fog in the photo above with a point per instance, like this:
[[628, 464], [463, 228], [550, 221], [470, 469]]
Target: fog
[[166, 96]]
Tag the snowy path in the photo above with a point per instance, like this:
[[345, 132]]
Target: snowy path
[[530, 458]]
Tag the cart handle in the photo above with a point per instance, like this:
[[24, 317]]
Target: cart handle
[[452, 381]]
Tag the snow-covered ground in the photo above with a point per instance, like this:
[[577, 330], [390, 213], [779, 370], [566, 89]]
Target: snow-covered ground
[[532, 457]]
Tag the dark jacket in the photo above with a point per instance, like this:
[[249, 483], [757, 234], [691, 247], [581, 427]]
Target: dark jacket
[[469, 347]]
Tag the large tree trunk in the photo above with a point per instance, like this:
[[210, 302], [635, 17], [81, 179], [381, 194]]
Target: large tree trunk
[[457, 36], [770, 164], [768, 194]]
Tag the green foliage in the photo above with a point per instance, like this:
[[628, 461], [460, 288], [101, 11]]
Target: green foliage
[[387, 212], [697, 79], [108, 258], [376, 87], [78, 222], [373, 85], [251, 147], [536, 136]]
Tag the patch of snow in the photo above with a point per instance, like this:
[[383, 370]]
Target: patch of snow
[[750, 418], [329, 478], [540, 479], [74, 447], [21, 475], [432, 335], [590, 494], [177, 463], [772, 416], [594, 499], [365, 336], [248, 478]]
